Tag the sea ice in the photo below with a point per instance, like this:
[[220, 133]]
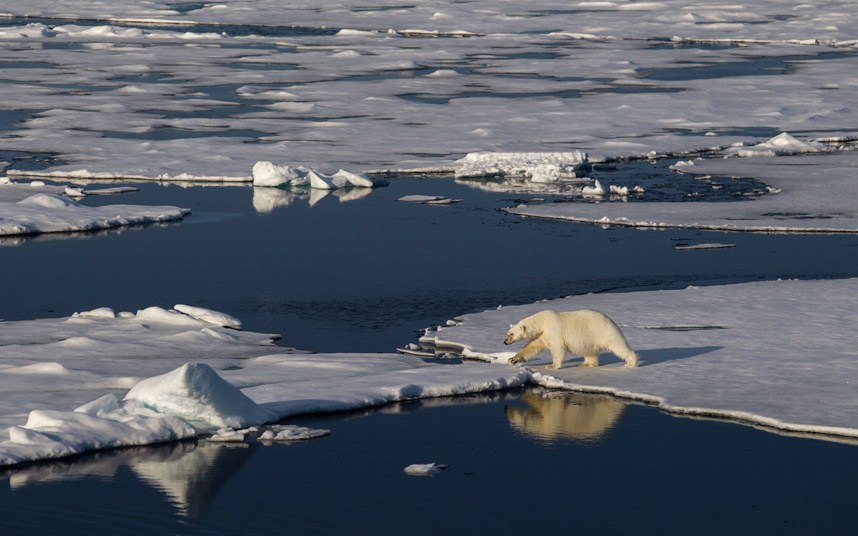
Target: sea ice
[[189, 377], [269, 174], [797, 201], [538, 167], [52, 213], [781, 354]]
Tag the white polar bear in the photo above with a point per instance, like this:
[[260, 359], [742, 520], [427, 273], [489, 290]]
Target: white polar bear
[[581, 332]]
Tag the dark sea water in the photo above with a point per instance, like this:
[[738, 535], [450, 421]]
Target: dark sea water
[[516, 464], [367, 275]]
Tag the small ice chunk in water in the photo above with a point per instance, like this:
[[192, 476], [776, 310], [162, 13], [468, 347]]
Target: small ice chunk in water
[[269, 174], [292, 432], [342, 178], [417, 198], [228, 435], [320, 181], [593, 191], [424, 469]]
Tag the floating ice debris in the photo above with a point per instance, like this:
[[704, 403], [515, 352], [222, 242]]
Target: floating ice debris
[[110, 191], [622, 191], [74, 192], [710, 245], [292, 433], [538, 167], [596, 190], [428, 199], [269, 174], [782, 144], [342, 178], [228, 435], [320, 181], [424, 469]]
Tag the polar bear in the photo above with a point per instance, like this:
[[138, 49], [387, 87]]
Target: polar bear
[[582, 332]]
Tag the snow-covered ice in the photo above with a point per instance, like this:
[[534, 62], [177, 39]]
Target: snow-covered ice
[[509, 97], [33, 208], [103, 379], [810, 193], [780, 354], [415, 86], [537, 167]]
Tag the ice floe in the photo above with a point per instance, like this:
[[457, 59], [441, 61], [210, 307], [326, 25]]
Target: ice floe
[[36, 208], [799, 200], [780, 354], [104, 379]]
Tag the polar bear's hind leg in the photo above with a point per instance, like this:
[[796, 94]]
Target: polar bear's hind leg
[[590, 361]]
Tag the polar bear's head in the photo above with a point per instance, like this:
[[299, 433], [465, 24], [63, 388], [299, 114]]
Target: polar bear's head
[[517, 332]]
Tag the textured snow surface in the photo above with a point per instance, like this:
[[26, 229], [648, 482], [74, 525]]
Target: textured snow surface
[[392, 86], [782, 354]]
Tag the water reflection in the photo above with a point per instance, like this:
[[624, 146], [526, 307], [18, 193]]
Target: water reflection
[[550, 415], [266, 200], [17, 240], [188, 473]]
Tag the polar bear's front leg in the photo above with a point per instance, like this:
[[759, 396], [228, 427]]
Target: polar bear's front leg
[[531, 349]]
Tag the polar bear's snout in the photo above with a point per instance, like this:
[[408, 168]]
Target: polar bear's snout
[[510, 335]]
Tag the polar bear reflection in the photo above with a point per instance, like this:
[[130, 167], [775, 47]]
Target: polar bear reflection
[[553, 415]]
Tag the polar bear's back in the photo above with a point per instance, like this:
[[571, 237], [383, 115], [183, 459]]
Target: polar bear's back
[[587, 332]]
